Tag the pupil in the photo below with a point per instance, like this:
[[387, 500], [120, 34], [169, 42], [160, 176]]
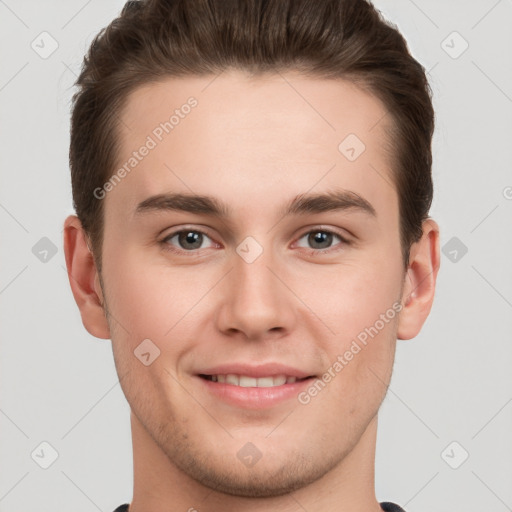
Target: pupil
[[190, 237], [321, 237]]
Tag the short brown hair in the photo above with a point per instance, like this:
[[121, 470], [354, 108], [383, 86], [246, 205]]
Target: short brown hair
[[155, 39]]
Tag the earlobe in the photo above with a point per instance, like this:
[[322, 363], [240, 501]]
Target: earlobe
[[84, 279], [420, 282]]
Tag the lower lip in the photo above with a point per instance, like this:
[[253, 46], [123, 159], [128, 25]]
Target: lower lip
[[253, 397]]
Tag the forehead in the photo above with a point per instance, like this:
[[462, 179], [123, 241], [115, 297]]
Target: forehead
[[261, 138]]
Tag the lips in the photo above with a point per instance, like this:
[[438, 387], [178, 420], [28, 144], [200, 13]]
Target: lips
[[269, 375], [246, 386]]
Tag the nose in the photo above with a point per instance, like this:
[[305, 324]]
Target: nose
[[255, 302]]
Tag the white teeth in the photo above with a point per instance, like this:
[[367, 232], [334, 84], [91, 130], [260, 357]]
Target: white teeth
[[279, 380], [232, 379], [265, 382], [245, 381]]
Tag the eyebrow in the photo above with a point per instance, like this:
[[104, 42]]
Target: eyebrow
[[300, 205]]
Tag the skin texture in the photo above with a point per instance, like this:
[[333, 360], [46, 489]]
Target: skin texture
[[255, 144]]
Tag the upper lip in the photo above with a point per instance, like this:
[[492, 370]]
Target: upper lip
[[262, 370]]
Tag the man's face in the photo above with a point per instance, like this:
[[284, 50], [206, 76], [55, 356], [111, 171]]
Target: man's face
[[258, 286]]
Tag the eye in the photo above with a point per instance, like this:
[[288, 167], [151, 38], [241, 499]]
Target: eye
[[188, 240], [321, 240], [192, 240]]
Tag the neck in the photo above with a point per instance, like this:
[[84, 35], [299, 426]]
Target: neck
[[160, 486]]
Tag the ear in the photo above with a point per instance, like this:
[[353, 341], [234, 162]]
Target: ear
[[84, 279], [420, 282]]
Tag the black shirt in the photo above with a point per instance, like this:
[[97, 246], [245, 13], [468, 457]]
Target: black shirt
[[386, 506]]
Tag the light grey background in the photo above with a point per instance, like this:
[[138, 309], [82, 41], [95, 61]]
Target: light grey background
[[451, 384]]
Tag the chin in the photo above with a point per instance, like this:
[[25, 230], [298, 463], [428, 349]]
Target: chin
[[264, 479]]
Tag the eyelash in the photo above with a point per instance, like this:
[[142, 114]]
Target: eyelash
[[166, 246]]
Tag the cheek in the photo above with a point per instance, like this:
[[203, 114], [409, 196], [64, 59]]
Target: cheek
[[358, 302], [159, 303], [143, 297], [366, 323], [351, 297]]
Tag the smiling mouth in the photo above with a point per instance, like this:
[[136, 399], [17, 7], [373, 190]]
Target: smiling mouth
[[245, 381]]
